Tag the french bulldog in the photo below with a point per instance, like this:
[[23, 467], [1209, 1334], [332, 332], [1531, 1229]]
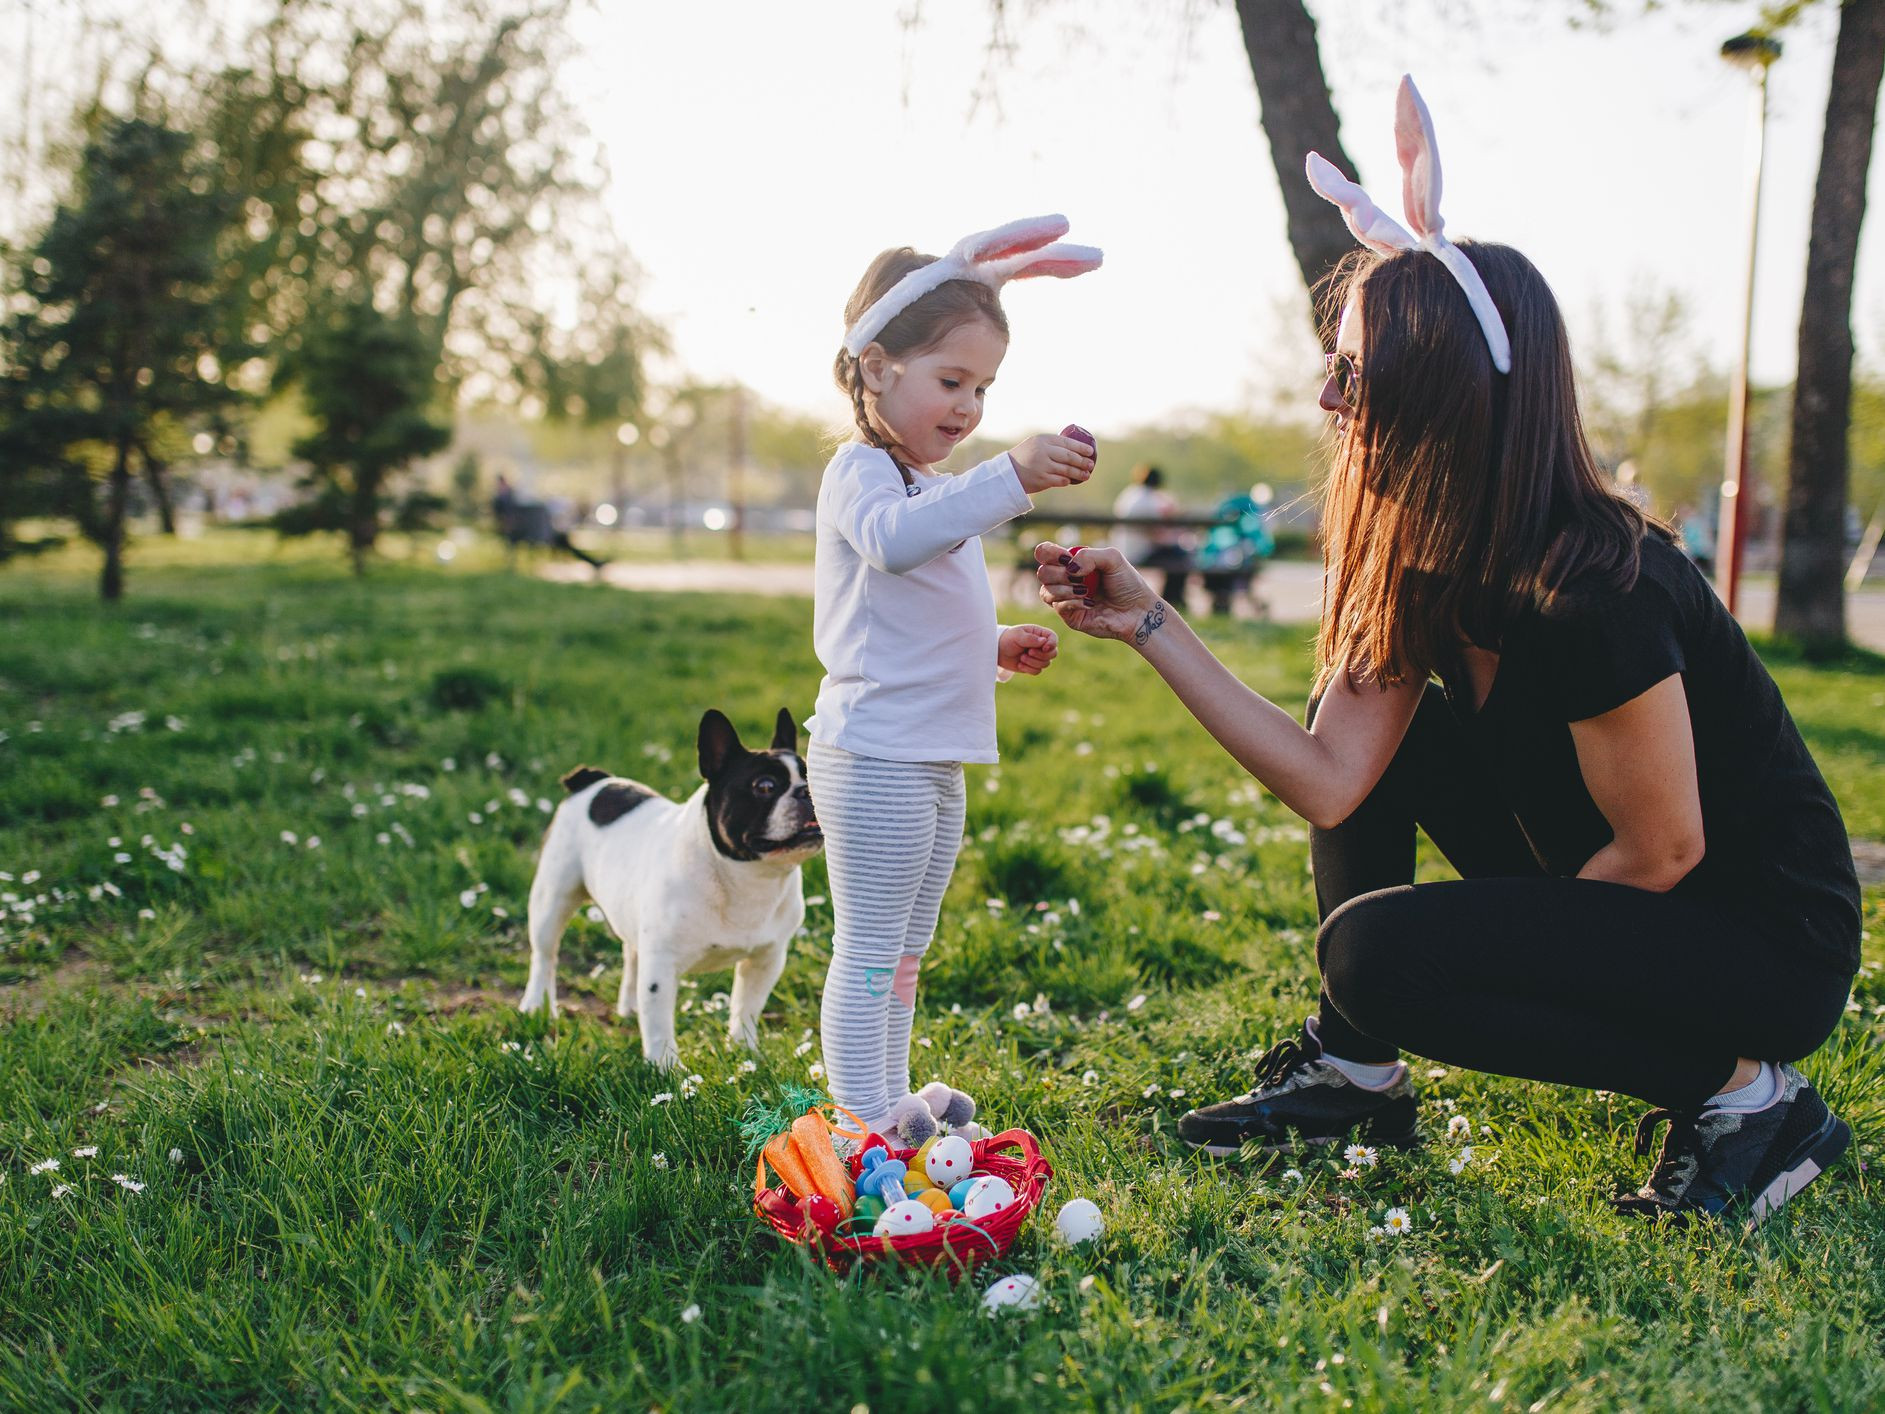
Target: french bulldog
[[691, 886]]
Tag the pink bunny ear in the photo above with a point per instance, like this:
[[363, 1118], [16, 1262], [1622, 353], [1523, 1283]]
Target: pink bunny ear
[[1061, 261], [1015, 238], [1419, 154], [1372, 226]]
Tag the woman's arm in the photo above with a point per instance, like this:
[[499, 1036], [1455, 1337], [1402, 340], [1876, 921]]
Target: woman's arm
[[1638, 763], [1322, 773]]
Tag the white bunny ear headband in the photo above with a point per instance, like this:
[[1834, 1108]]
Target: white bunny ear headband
[[1420, 195], [1019, 250]]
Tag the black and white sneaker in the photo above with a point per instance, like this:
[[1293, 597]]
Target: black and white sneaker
[[1299, 1098], [1748, 1161]]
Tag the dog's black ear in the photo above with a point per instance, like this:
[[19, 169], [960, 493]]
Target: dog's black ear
[[785, 736], [718, 743]]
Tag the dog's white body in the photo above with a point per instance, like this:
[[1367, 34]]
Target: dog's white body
[[677, 901]]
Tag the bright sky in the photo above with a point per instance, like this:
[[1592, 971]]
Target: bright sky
[[765, 152]]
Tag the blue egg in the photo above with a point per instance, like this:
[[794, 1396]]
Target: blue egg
[[959, 1192]]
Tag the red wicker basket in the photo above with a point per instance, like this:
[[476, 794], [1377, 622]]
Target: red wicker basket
[[958, 1245]]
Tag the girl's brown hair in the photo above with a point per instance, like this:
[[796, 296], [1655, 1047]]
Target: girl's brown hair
[[1459, 497], [925, 323]]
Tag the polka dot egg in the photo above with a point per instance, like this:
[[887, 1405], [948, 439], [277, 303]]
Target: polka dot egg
[[903, 1219], [949, 1161]]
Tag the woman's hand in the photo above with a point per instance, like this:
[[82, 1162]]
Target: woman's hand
[[1026, 648], [1113, 600], [1045, 462]]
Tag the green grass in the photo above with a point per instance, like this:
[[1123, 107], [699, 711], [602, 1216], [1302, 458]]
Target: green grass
[[391, 1191]]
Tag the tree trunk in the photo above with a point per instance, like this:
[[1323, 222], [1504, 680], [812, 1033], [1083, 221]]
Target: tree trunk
[[1298, 117], [158, 474], [111, 582], [1811, 605], [363, 520]]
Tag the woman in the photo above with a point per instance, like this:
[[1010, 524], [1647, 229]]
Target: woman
[[1656, 896]]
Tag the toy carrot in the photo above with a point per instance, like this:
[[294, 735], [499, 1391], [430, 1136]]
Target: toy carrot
[[811, 1137], [785, 1162]]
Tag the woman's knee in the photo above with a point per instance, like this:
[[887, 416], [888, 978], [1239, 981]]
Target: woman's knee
[[1363, 952]]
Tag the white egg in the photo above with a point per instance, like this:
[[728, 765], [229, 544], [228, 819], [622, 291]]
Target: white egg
[[902, 1219], [1020, 1291], [1079, 1221], [948, 1161], [987, 1196]]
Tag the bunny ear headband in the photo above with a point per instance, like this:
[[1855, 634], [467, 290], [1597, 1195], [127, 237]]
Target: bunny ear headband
[[1019, 250], [1420, 196]]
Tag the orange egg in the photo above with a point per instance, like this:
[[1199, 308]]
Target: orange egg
[[935, 1200]]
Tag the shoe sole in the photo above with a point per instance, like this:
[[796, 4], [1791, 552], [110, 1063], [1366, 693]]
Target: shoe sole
[[1822, 1156], [1275, 1148]]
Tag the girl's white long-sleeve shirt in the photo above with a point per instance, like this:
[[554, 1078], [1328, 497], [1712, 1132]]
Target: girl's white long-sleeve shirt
[[904, 621]]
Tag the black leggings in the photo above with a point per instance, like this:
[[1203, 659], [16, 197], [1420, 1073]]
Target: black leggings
[[1513, 971]]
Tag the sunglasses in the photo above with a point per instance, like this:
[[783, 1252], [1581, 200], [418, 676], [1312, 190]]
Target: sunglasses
[[1341, 367]]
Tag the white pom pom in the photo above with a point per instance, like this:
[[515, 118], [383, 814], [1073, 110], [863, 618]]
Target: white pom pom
[[1079, 1221], [1019, 1292]]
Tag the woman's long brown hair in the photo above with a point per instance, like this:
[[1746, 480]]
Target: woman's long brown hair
[[1459, 497]]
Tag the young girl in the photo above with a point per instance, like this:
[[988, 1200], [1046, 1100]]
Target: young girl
[[1657, 895], [904, 625]]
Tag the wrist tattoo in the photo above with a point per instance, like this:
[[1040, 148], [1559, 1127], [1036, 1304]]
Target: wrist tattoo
[[1154, 617]]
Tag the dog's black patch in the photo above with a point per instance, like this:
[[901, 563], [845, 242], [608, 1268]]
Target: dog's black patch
[[654, 986], [615, 800], [582, 778]]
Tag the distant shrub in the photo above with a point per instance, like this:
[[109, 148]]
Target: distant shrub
[[466, 689]]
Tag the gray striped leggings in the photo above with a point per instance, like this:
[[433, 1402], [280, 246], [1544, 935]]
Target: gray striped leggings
[[892, 830]]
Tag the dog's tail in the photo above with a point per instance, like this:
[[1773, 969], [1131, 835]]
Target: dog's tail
[[582, 778]]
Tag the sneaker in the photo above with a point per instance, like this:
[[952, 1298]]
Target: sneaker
[[1720, 1158], [1299, 1098]]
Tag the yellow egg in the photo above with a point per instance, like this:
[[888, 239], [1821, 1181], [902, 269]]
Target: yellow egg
[[935, 1200], [915, 1181], [916, 1164]]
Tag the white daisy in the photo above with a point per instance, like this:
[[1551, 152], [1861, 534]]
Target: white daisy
[[1091, 1077], [85, 1151], [691, 1314], [176, 1156], [1397, 1222], [129, 1185], [1457, 1126], [1361, 1156], [59, 1190], [661, 1161], [665, 1097], [1293, 1175], [45, 1166]]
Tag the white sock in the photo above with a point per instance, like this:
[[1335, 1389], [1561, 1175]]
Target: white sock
[[1369, 1077], [1757, 1094]]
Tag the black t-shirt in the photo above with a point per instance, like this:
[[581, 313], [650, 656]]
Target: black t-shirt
[[1777, 852]]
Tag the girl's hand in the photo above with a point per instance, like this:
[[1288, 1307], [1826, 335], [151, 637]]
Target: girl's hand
[[1115, 601], [1027, 648], [1046, 461]]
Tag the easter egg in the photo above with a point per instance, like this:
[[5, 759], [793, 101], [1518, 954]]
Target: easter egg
[[902, 1219], [936, 1201], [987, 1196], [1074, 432], [869, 1208], [949, 1160], [916, 1182], [1079, 1221], [821, 1213], [1019, 1292], [959, 1192], [923, 1153]]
